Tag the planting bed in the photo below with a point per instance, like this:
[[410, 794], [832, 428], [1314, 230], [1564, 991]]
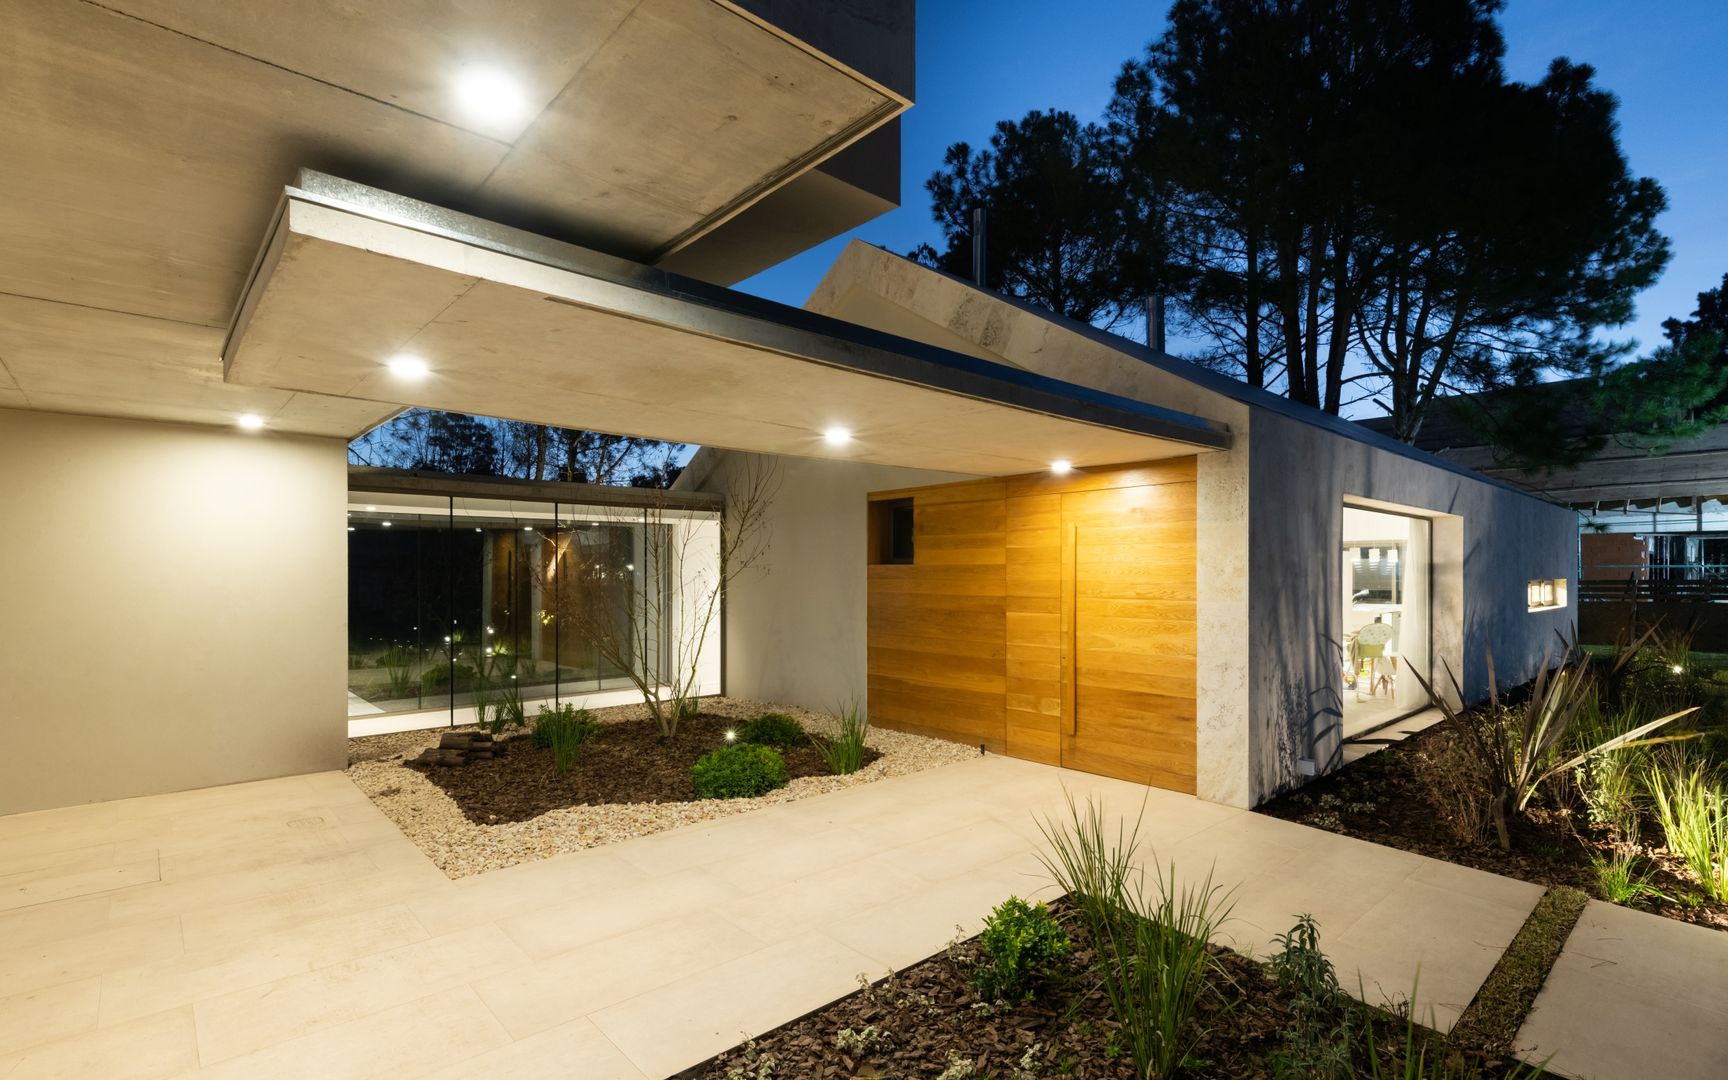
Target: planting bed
[[623, 762], [516, 808], [1388, 798], [929, 1022]]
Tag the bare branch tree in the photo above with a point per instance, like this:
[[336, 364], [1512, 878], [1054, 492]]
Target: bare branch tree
[[649, 612]]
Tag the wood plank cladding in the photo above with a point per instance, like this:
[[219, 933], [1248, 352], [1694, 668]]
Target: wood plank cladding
[[1049, 618]]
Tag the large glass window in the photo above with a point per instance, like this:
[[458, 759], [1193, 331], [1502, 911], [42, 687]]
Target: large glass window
[[1386, 569], [461, 604]]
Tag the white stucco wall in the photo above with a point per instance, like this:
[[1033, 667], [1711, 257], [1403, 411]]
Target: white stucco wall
[[1488, 542], [796, 628], [173, 609]]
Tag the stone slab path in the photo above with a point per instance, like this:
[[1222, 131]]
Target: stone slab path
[[1634, 995], [286, 928]]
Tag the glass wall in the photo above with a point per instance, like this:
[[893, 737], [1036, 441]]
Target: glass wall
[[1387, 564], [461, 605]]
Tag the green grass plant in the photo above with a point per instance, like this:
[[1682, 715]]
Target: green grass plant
[[844, 753], [1152, 955], [1693, 812]]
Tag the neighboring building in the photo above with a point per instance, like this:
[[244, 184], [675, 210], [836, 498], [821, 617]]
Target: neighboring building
[[1652, 520], [1211, 591]]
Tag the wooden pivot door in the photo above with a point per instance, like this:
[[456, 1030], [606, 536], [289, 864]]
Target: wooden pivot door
[[1128, 649]]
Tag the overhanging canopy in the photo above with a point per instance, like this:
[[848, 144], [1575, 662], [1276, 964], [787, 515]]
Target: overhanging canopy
[[516, 326]]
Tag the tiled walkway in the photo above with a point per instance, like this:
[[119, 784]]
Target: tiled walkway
[[286, 928]]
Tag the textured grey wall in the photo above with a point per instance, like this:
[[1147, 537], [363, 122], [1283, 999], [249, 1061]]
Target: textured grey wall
[[1491, 543]]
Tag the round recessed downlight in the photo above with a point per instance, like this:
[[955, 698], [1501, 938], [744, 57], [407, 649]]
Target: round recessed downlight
[[837, 436], [407, 366], [250, 422], [1061, 466], [489, 94]]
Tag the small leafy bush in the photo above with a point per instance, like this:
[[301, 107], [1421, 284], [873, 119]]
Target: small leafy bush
[[563, 731], [773, 729], [738, 771], [1317, 1044], [1021, 943], [844, 753]]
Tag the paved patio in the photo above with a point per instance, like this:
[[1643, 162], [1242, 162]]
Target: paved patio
[[286, 928]]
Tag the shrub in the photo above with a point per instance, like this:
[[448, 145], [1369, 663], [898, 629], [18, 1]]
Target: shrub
[[1694, 817], [844, 754], [1458, 786], [1317, 1044], [1519, 746], [1152, 952], [1021, 943], [738, 771], [773, 729], [563, 731]]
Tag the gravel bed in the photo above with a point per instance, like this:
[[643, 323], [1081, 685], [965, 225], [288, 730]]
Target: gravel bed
[[460, 847]]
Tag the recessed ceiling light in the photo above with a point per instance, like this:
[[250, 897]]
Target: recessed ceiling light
[[837, 436], [489, 94], [371, 509], [1061, 466], [407, 366], [386, 524], [250, 421]]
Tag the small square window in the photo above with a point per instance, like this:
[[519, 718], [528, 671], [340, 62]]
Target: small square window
[[891, 531], [1545, 594]]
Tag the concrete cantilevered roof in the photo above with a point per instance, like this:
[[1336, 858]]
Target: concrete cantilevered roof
[[516, 326]]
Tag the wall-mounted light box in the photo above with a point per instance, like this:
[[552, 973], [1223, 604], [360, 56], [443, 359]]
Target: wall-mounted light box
[[1545, 594]]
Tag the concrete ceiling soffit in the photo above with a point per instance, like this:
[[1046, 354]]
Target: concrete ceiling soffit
[[516, 326]]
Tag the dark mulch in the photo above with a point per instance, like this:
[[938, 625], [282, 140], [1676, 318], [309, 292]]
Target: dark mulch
[[626, 762], [929, 1016], [1381, 798]]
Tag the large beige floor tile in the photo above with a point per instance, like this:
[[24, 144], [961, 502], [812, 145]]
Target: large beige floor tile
[[189, 895], [573, 984], [44, 886], [32, 966], [608, 913], [51, 1013], [1431, 945], [1633, 995], [523, 888], [822, 898], [679, 1024], [318, 943], [409, 1040], [149, 1048], [576, 1049], [256, 1017], [234, 925]]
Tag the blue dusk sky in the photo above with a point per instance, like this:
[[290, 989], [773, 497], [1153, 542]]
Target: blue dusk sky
[[980, 61]]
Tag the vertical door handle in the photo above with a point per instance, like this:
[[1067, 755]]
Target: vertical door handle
[[1070, 641]]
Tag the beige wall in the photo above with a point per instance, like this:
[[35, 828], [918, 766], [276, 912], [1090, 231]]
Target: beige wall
[[173, 609], [796, 628]]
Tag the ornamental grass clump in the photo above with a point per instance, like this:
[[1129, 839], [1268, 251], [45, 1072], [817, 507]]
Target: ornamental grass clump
[[563, 731], [844, 753], [738, 771], [1693, 812], [1021, 944], [1153, 959]]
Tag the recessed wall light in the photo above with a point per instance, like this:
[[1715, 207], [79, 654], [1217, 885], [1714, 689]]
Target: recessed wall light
[[407, 366], [1061, 466], [250, 421], [489, 94], [837, 436], [386, 524]]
